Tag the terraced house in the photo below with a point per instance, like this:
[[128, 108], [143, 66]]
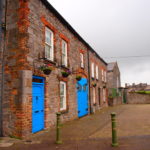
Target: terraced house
[[46, 67]]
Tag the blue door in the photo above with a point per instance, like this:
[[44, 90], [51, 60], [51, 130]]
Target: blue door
[[82, 97], [37, 104]]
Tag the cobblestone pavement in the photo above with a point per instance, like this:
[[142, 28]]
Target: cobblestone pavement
[[93, 132]]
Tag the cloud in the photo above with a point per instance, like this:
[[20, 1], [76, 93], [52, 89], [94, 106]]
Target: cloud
[[113, 28]]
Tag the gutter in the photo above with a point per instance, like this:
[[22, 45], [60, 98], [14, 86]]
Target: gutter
[[89, 75], [65, 23], [3, 11]]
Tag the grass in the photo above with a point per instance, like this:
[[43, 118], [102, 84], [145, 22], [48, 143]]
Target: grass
[[143, 92]]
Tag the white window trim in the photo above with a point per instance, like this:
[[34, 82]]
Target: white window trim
[[97, 73], [105, 73], [51, 49], [82, 60], [102, 75], [64, 96], [66, 53], [92, 69]]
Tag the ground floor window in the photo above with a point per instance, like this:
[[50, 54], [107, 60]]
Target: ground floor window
[[63, 100], [94, 98], [104, 95]]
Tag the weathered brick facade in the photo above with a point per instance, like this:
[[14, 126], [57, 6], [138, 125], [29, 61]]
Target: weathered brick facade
[[25, 48], [101, 86]]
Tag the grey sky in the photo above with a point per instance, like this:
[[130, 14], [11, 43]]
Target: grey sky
[[114, 28]]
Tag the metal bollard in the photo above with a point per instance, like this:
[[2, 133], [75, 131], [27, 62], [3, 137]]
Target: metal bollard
[[114, 130], [58, 129]]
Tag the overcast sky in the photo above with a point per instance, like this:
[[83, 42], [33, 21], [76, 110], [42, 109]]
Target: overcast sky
[[114, 28]]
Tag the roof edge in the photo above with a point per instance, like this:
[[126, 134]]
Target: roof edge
[[61, 18]]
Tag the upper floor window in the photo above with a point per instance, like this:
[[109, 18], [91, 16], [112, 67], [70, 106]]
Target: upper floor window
[[63, 97], [102, 75], [49, 44], [97, 74], [82, 60], [92, 69], [105, 74], [64, 53]]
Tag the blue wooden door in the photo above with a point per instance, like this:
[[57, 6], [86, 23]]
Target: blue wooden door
[[37, 104], [82, 97]]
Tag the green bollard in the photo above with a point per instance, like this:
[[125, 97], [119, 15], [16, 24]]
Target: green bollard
[[114, 130], [58, 131]]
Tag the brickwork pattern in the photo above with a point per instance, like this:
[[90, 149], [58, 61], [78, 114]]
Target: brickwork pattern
[[25, 48]]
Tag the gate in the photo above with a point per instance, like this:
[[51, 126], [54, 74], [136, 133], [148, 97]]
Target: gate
[[37, 104], [82, 97]]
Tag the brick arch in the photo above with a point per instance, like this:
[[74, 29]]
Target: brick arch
[[82, 73]]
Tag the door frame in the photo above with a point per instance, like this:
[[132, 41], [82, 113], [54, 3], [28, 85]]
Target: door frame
[[99, 96], [42, 83], [87, 100]]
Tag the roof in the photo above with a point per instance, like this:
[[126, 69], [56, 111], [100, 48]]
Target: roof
[[147, 88], [111, 66], [64, 22]]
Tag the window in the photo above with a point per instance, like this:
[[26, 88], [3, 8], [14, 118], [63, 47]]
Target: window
[[64, 53], [63, 101], [97, 72], [102, 75], [94, 98], [104, 95], [82, 60], [105, 74], [49, 44], [92, 69]]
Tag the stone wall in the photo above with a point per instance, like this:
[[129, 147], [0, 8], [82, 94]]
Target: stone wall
[[115, 101], [24, 50], [135, 98], [112, 77]]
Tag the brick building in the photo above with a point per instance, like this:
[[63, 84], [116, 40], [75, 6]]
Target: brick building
[[36, 40], [98, 79]]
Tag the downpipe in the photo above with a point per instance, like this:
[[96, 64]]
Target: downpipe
[[89, 75], [3, 11]]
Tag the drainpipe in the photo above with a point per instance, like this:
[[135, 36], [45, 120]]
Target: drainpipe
[[89, 75], [3, 4]]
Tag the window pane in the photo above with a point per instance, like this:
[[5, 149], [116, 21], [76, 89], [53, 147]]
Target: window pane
[[63, 59], [61, 89], [47, 51], [49, 44], [64, 53], [48, 36], [82, 60], [61, 101], [62, 95], [92, 67]]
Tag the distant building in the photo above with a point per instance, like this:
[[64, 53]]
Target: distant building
[[113, 78], [137, 87]]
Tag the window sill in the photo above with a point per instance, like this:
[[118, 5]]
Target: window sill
[[94, 104], [64, 111], [49, 61], [65, 67]]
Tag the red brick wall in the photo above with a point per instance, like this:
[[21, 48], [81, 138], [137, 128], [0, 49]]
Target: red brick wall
[[99, 83], [25, 47], [14, 112]]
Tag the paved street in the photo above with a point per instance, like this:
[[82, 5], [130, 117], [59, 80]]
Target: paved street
[[93, 132]]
